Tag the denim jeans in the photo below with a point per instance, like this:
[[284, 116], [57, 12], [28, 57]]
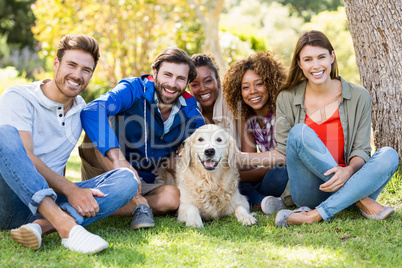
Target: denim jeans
[[22, 188], [308, 159], [273, 183]]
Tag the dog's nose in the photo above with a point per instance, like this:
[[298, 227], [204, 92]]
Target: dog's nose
[[209, 152]]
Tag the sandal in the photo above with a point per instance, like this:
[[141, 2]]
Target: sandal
[[283, 215], [382, 215]]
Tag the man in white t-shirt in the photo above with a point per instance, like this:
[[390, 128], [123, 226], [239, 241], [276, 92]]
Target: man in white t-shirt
[[39, 127]]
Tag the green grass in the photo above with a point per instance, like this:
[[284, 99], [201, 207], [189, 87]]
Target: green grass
[[347, 241]]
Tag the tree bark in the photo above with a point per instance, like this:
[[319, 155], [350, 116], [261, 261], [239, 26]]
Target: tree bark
[[376, 29]]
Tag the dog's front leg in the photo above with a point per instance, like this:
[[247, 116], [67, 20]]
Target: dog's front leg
[[244, 216], [191, 215], [242, 210]]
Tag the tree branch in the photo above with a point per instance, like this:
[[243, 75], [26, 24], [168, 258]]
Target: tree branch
[[218, 8], [199, 12]]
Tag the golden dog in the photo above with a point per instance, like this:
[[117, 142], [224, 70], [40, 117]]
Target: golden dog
[[207, 177]]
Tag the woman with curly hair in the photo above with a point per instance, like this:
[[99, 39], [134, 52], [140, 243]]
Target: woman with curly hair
[[250, 88], [324, 130], [206, 88]]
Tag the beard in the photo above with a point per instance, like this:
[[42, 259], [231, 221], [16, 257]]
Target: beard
[[61, 82], [159, 88]]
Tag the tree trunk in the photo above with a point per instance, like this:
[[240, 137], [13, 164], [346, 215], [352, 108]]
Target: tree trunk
[[376, 29], [210, 23]]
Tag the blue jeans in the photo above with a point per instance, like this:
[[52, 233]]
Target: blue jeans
[[22, 188], [308, 159], [273, 183]]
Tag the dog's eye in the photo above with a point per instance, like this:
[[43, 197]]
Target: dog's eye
[[200, 139], [218, 139]]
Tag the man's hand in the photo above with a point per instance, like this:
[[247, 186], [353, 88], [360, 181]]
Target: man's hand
[[341, 176], [83, 201]]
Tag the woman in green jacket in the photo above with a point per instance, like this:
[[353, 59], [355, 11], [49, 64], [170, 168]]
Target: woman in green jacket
[[323, 128]]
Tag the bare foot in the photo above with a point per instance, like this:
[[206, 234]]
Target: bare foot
[[369, 206], [130, 206], [304, 217], [59, 219], [46, 226]]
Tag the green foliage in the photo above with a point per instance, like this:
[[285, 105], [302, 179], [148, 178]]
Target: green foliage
[[16, 20], [25, 60], [187, 30], [10, 77], [308, 8], [277, 29], [130, 33], [271, 25]]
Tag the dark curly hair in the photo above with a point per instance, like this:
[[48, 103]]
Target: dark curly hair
[[265, 64]]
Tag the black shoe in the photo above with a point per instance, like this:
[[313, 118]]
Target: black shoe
[[142, 217]]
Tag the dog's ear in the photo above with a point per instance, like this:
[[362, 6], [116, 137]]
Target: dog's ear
[[234, 152], [186, 152]]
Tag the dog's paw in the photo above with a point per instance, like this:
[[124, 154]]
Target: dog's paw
[[244, 216], [248, 220], [181, 217], [195, 223], [191, 215]]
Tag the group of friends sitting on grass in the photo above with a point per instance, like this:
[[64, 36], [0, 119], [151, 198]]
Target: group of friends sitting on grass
[[304, 133]]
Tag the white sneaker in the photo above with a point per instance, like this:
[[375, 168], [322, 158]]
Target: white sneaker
[[82, 241], [29, 235], [271, 204]]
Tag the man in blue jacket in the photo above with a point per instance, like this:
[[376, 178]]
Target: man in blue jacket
[[139, 124]]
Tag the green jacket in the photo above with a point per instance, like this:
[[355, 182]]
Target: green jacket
[[354, 112]]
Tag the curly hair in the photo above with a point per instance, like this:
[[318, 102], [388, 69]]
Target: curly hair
[[266, 65]]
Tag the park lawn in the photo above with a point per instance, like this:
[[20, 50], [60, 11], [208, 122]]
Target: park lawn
[[348, 240]]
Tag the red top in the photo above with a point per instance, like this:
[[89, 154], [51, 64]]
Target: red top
[[331, 134]]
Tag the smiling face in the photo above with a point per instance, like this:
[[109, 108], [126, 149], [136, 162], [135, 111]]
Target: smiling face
[[315, 62], [254, 92], [170, 81], [205, 87], [73, 72]]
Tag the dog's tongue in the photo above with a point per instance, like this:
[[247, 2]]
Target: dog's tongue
[[209, 163]]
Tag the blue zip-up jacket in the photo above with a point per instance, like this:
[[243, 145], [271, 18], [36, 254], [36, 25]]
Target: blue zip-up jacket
[[136, 126]]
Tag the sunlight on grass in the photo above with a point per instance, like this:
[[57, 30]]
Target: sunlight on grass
[[73, 168], [311, 256], [196, 248]]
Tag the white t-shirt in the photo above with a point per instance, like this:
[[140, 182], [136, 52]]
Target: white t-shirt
[[54, 134]]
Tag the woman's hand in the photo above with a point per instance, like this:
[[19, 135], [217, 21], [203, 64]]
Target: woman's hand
[[341, 176]]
